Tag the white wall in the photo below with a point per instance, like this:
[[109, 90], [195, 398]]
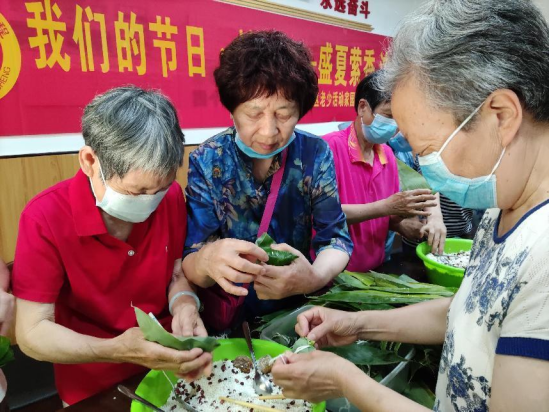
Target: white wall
[[543, 6], [384, 16], [72, 142]]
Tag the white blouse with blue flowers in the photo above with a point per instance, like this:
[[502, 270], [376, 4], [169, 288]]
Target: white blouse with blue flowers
[[500, 308]]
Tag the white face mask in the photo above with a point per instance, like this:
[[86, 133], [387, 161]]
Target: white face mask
[[134, 209]]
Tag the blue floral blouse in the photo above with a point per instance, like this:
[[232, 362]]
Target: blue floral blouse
[[225, 201]]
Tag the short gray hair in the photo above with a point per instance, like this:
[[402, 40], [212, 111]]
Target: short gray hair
[[460, 51], [130, 128]]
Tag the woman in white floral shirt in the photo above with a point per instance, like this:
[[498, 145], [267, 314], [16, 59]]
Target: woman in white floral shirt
[[469, 83]]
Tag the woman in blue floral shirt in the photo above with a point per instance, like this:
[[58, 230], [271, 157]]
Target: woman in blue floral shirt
[[267, 83]]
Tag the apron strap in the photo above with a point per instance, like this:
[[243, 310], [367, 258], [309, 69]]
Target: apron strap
[[273, 194]]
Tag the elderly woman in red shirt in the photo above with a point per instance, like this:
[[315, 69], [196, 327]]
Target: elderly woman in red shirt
[[111, 237]]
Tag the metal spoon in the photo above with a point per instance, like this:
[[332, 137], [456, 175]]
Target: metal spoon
[[124, 390], [184, 404], [262, 385]]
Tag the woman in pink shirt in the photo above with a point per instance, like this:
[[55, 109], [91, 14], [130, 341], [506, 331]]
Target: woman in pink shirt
[[368, 180]]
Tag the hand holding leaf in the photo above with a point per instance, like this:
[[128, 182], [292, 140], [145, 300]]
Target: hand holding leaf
[[276, 257]]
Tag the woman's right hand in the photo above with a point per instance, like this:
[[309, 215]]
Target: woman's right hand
[[230, 261], [411, 203], [131, 347], [328, 327], [7, 301]]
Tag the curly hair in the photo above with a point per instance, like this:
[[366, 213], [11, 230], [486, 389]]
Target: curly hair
[[265, 63]]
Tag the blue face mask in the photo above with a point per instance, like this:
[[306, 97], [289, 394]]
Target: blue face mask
[[477, 193], [400, 144], [247, 150], [380, 131]]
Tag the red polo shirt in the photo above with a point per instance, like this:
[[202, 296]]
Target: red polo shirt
[[65, 256]]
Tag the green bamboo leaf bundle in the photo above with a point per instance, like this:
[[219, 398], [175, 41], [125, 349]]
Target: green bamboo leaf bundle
[[373, 290], [276, 257], [374, 297]]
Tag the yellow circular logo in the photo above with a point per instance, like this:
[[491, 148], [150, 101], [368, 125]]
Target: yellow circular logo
[[11, 61]]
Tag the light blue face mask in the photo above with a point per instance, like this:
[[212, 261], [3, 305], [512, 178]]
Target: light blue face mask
[[380, 131], [247, 150], [400, 144], [476, 193]]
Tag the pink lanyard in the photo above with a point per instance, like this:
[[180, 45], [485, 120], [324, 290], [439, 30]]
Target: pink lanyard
[[270, 205], [273, 194]]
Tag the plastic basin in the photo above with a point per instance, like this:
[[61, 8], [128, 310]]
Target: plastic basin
[[156, 389], [439, 273], [397, 379]]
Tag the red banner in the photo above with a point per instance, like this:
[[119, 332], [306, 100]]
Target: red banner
[[58, 54]]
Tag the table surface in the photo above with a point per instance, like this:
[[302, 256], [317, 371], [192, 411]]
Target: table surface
[[113, 401]]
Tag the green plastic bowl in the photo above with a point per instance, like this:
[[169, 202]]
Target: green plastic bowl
[[439, 273], [155, 388]]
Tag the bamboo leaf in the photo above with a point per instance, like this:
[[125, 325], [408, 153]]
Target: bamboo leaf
[[276, 257], [414, 291], [350, 281], [410, 179], [374, 297], [303, 345], [154, 332], [420, 393], [363, 354], [6, 353]]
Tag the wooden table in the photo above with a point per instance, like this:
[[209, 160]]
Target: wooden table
[[113, 401], [109, 401]]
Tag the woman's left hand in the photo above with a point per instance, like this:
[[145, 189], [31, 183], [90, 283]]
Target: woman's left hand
[[280, 282], [314, 376], [187, 321]]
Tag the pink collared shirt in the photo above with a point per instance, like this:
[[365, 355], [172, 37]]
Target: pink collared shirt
[[360, 183]]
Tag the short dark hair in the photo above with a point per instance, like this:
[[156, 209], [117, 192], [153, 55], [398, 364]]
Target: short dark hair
[[264, 63], [367, 89]]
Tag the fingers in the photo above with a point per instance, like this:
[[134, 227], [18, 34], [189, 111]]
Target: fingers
[[243, 265], [318, 332], [305, 320], [186, 326], [435, 243], [439, 242], [200, 330], [442, 244], [231, 288], [424, 213], [198, 365], [431, 235], [7, 304], [248, 248], [416, 204], [235, 276], [267, 289], [156, 356], [419, 192], [286, 248], [425, 205], [423, 198]]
